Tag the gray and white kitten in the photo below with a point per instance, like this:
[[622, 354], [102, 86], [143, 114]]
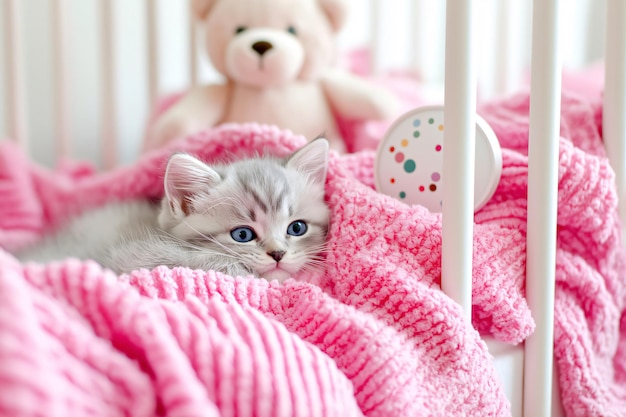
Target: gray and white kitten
[[261, 216]]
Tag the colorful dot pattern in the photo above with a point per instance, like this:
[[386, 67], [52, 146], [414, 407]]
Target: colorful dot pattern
[[409, 165]]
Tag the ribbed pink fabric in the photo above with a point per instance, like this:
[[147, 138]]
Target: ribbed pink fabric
[[373, 335]]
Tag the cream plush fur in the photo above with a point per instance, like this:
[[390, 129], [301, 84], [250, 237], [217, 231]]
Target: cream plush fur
[[278, 59]]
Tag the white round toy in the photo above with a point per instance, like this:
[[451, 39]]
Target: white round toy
[[409, 160]]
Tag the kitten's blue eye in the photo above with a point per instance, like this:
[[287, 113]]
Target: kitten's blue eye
[[242, 234], [297, 228], [292, 30]]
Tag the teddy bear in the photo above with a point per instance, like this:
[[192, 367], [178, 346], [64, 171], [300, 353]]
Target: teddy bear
[[279, 61]]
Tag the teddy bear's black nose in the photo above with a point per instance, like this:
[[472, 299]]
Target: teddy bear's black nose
[[261, 47]]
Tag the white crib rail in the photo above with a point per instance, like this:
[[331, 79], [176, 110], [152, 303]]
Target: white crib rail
[[460, 106], [61, 77], [543, 156], [153, 51], [508, 69], [109, 138], [458, 154], [15, 106], [193, 49]]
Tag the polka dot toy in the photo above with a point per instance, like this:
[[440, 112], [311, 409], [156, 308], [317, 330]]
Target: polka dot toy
[[409, 160]]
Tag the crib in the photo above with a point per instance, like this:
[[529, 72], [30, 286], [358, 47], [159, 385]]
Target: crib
[[106, 65]]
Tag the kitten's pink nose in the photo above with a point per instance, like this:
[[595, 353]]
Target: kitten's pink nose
[[277, 255]]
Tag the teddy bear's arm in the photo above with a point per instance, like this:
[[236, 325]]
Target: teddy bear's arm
[[200, 108], [355, 98]]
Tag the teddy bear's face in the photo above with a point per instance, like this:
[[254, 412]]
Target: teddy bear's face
[[269, 43], [264, 57]]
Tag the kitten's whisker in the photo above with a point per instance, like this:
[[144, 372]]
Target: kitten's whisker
[[315, 251], [315, 262], [212, 239], [199, 248], [312, 253], [221, 245], [182, 242], [313, 267]]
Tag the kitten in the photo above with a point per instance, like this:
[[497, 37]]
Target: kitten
[[261, 216]]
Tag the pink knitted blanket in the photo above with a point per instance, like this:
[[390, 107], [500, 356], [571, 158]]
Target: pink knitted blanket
[[373, 336]]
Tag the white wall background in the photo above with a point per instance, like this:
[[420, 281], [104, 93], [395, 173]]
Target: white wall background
[[410, 34]]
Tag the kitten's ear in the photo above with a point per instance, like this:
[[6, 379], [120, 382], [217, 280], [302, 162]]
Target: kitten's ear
[[311, 160], [186, 176]]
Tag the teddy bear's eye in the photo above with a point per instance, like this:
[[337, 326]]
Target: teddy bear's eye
[[292, 30], [240, 29]]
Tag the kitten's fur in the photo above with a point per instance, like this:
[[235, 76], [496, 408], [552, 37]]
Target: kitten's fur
[[204, 209]]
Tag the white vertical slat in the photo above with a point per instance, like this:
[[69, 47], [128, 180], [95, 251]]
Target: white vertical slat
[[543, 154], [458, 153], [426, 40], [61, 78], [193, 47], [415, 54], [614, 115], [15, 93], [109, 85], [506, 67], [375, 36], [153, 51]]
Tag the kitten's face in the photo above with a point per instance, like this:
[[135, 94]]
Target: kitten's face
[[268, 215]]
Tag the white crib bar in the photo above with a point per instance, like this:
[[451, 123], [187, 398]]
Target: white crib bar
[[543, 154], [14, 82], [109, 85], [614, 112], [153, 51], [425, 57], [61, 77], [375, 42], [458, 154], [506, 73], [193, 47], [417, 8]]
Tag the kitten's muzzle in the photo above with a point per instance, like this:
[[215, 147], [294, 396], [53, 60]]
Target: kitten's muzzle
[[277, 255]]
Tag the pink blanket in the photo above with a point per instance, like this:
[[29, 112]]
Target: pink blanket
[[373, 336]]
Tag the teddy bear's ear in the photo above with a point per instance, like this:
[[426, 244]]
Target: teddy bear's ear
[[337, 11], [201, 8]]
